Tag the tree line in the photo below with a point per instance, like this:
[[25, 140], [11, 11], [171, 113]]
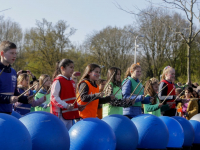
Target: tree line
[[40, 47]]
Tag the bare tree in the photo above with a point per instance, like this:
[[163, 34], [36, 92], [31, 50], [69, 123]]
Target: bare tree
[[161, 46], [112, 46], [187, 6]]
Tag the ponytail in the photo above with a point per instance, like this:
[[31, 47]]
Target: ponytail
[[57, 70], [128, 72], [132, 68]]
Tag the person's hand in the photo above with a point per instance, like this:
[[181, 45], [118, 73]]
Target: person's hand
[[29, 72], [151, 99], [102, 94], [48, 92], [143, 97], [127, 100], [186, 114], [160, 105], [170, 104], [19, 72], [27, 94], [81, 107], [70, 106], [30, 99], [48, 105], [112, 97], [13, 99]]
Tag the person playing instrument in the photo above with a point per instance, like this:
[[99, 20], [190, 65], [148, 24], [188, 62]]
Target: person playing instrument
[[133, 74], [8, 79], [44, 91], [114, 88], [168, 78], [155, 107], [63, 93], [91, 96], [22, 86]]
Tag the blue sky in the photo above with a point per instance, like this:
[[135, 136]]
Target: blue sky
[[84, 15]]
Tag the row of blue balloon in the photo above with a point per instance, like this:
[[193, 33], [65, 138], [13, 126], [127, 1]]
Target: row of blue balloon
[[44, 131]]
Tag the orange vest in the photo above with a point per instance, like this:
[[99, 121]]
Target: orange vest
[[90, 110]]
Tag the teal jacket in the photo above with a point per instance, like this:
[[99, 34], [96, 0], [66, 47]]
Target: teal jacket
[[154, 109]]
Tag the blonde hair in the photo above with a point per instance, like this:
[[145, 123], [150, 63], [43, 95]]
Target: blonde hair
[[21, 77], [42, 78], [165, 71], [132, 68]]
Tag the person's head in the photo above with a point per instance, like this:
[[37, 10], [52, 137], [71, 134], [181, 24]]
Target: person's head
[[168, 74], [64, 67], [188, 92], [178, 91], [92, 73], [134, 71], [151, 88], [42, 79], [101, 83], [116, 80], [23, 80], [195, 94], [8, 51], [179, 84]]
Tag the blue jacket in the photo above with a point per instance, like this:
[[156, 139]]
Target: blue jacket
[[8, 88], [23, 108], [126, 92]]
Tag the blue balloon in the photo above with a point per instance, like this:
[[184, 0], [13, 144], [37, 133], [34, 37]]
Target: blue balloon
[[176, 134], [196, 126], [47, 131], [92, 134], [125, 131], [188, 130], [153, 133], [13, 134], [16, 114]]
